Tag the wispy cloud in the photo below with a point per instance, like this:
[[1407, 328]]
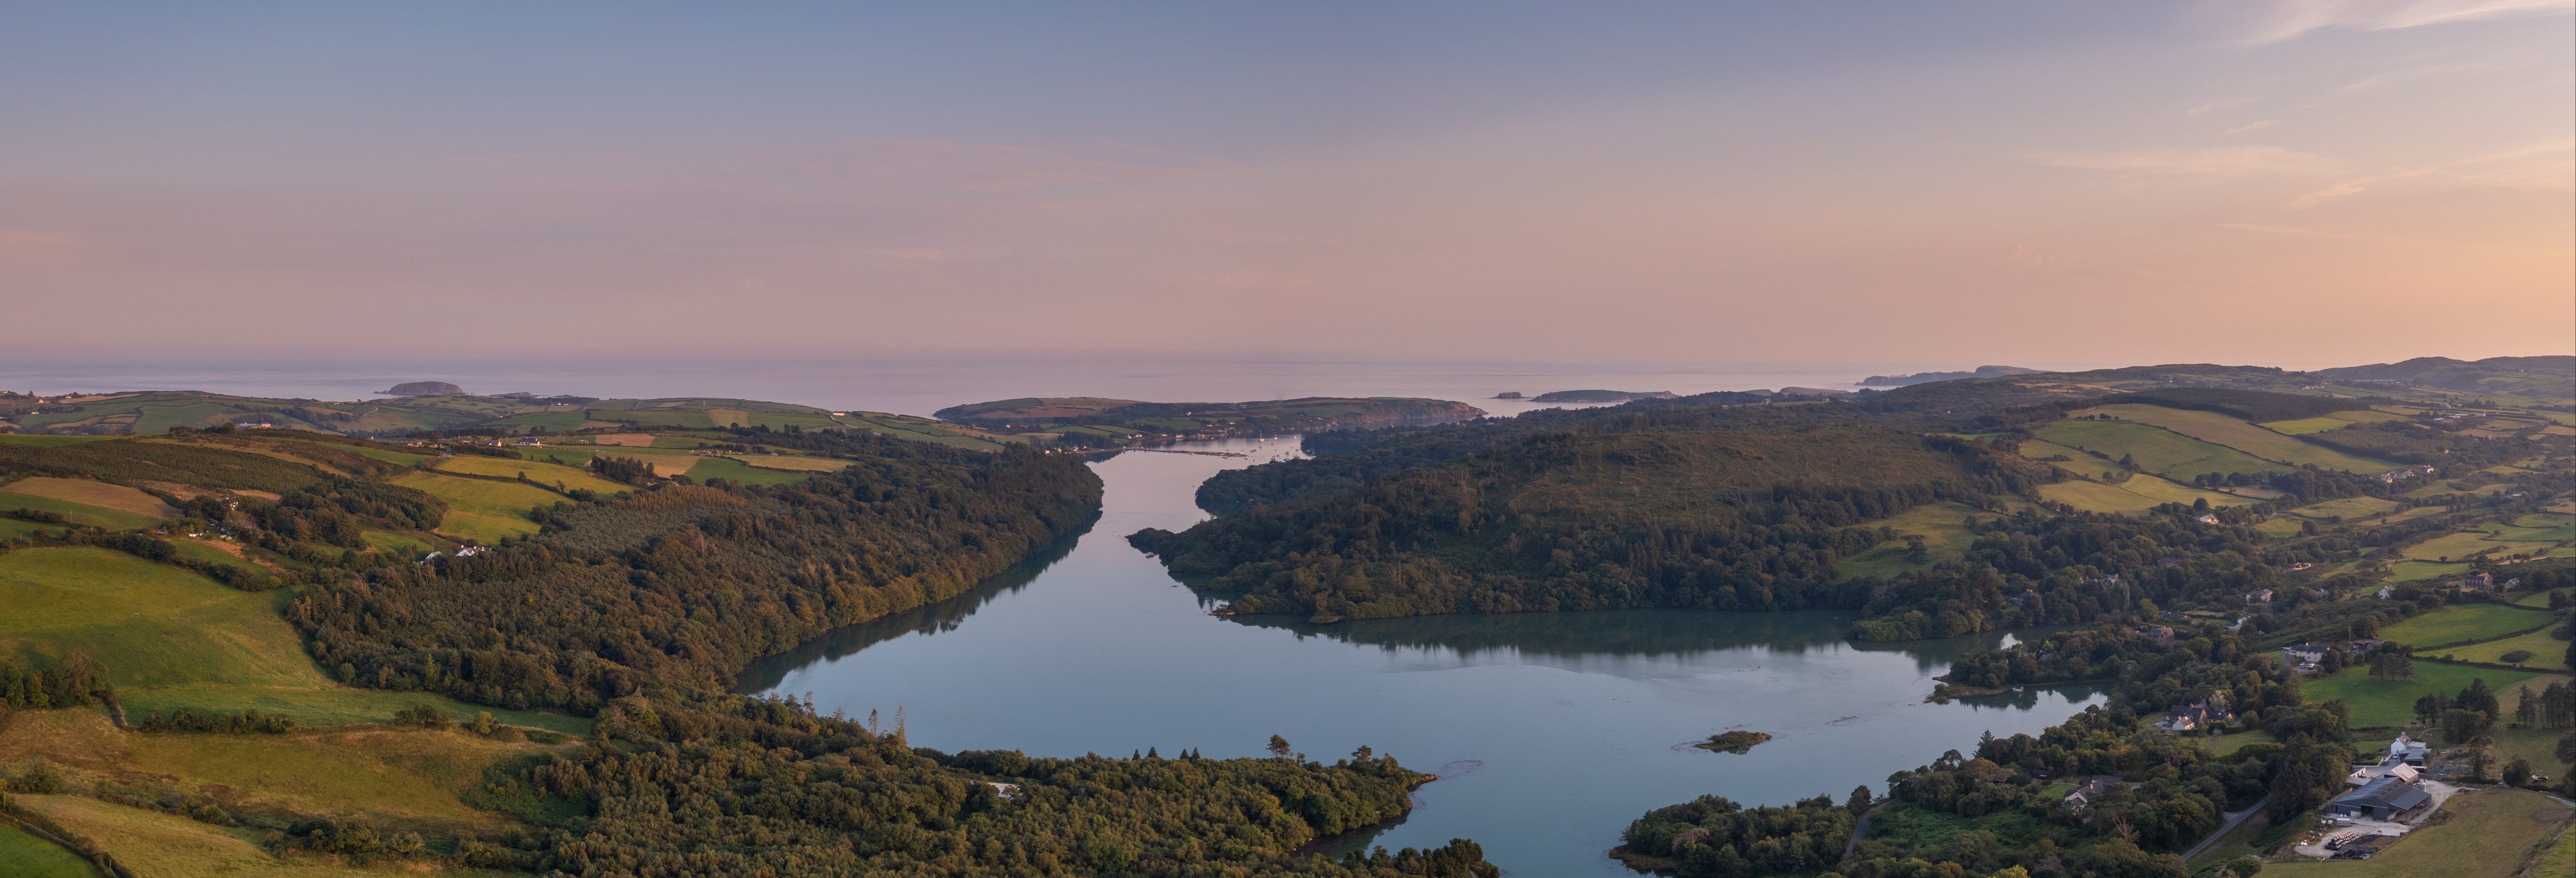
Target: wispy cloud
[[2538, 166], [2230, 161], [2267, 123], [2291, 231], [2279, 20]]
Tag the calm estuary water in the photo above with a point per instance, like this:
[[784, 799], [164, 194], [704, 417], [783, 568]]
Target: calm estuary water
[[1550, 730]]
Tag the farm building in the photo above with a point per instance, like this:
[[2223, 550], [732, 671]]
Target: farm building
[[2381, 799]]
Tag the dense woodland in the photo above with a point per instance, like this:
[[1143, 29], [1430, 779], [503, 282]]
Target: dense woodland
[[1622, 517], [639, 609]]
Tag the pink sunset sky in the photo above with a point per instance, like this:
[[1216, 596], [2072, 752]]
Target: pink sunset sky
[[2302, 183]]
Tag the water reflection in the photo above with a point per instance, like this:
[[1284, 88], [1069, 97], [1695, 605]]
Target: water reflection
[[938, 617], [1570, 720]]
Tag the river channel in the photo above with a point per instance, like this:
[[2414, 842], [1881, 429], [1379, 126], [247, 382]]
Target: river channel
[[1550, 730]]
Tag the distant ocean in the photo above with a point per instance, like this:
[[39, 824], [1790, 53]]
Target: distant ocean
[[921, 385]]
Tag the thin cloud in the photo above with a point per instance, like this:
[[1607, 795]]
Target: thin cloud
[[2231, 161], [2281, 230], [2267, 123], [2261, 23], [2538, 166]]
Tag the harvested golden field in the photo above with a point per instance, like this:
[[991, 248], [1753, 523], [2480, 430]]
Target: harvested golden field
[[2219, 429], [635, 440]]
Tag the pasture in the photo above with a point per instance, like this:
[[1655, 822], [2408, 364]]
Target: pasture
[[77, 513], [792, 464], [27, 856], [11, 528], [2491, 834], [2347, 509], [2460, 622], [169, 639], [170, 846], [2454, 546], [2219, 429], [664, 464], [482, 510], [541, 472], [2546, 651], [2539, 528], [2155, 450], [733, 470], [387, 774], [2418, 571], [1940, 525], [2138, 494], [2378, 703], [94, 493]]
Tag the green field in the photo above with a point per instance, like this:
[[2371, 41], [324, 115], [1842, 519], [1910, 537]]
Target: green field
[[482, 510], [2419, 571], [26, 856], [46, 441], [2378, 703], [2155, 450], [2455, 546], [169, 846], [2219, 429], [11, 528], [2546, 527], [78, 513], [169, 638], [397, 544], [2547, 652], [541, 472], [2138, 494], [2350, 508], [1943, 537], [2336, 421], [2459, 622], [2491, 834], [722, 468]]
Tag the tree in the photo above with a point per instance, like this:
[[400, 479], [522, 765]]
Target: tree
[[1279, 747], [2479, 698], [2389, 664], [2516, 657], [2566, 751], [2526, 708], [1860, 798], [2244, 867], [2518, 772], [2463, 726], [2429, 708]]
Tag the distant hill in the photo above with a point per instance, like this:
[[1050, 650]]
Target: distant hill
[[424, 388], [1602, 395], [1104, 422], [2521, 376], [1929, 377]]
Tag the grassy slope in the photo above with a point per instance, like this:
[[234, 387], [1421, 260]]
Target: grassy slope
[[723, 468], [2348, 507], [170, 639], [2545, 650], [2491, 834], [2155, 450], [77, 513], [2137, 494], [389, 774], [2220, 429], [2459, 622], [482, 510], [1943, 534], [95, 493], [541, 472], [26, 856], [2376, 703], [164, 846]]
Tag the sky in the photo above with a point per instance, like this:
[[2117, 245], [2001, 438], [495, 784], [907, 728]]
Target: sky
[[2299, 183]]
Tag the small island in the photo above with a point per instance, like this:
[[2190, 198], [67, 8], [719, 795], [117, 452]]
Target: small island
[[1733, 742], [1508, 394], [424, 388], [1602, 395]]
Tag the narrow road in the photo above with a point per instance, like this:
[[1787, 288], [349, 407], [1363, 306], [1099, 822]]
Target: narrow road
[[1860, 831], [2224, 828]]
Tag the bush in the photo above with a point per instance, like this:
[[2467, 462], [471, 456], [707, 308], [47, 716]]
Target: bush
[[426, 716]]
